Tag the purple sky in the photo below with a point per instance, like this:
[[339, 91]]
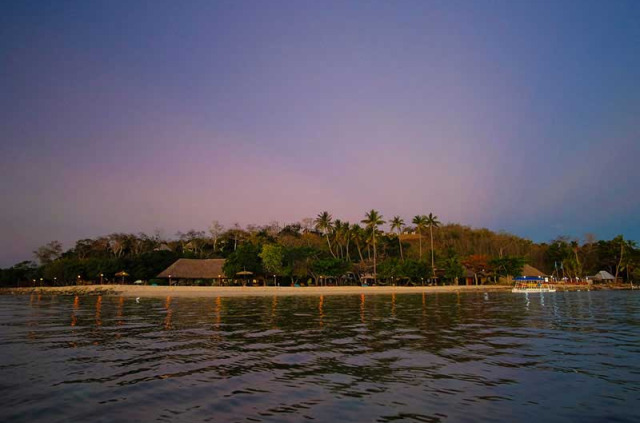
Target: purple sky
[[136, 116]]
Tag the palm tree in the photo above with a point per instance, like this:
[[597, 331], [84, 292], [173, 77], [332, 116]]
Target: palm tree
[[578, 266], [397, 224], [619, 239], [338, 230], [373, 219], [346, 228], [324, 224], [432, 222], [341, 235], [358, 235], [421, 222]]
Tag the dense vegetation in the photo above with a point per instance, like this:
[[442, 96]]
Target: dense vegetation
[[324, 248]]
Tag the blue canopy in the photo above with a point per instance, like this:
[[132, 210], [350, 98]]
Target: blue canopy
[[529, 278]]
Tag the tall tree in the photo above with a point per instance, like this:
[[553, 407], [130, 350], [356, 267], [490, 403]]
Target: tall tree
[[272, 256], [507, 266], [48, 252], [357, 233], [117, 244], [338, 234], [245, 258], [346, 226], [342, 236], [397, 224], [421, 222], [632, 260], [619, 240], [453, 269], [236, 231], [324, 223], [373, 219], [215, 229], [192, 242], [477, 263], [432, 222]]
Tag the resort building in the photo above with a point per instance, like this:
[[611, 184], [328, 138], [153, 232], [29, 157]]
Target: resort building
[[529, 270], [602, 276], [472, 278], [195, 272]]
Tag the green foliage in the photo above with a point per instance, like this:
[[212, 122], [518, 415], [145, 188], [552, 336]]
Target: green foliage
[[22, 273], [245, 258], [297, 261], [329, 267], [414, 270], [148, 265], [272, 256], [323, 222], [507, 266], [558, 251], [373, 219], [145, 266], [298, 251], [389, 268], [453, 269]]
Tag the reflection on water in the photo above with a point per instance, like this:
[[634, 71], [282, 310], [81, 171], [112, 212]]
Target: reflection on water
[[169, 313], [571, 356], [99, 311], [74, 310], [321, 310]]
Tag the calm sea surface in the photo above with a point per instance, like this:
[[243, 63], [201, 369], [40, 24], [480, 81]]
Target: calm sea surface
[[472, 357]]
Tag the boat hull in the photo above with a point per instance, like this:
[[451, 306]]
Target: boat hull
[[532, 290]]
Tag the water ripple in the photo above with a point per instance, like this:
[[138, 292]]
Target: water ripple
[[413, 358]]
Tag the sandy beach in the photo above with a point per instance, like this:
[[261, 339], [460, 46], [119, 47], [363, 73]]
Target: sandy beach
[[213, 291]]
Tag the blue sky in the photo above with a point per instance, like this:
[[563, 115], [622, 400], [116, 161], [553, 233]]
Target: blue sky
[[136, 116]]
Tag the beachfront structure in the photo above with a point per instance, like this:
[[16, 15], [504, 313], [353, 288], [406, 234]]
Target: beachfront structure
[[471, 278], [528, 270], [195, 271], [602, 276]]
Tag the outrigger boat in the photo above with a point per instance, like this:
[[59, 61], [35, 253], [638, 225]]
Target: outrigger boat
[[532, 284]]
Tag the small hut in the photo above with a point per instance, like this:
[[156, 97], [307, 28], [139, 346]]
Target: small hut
[[195, 272], [602, 276], [472, 278], [367, 279]]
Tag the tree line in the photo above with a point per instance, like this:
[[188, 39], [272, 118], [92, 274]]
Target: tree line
[[416, 251]]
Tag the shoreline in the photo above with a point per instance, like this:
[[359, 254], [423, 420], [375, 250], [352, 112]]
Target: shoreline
[[237, 291], [270, 291]]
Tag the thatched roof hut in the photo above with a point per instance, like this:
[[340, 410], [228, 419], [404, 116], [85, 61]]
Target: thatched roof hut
[[194, 269], [528, 270], [602, 275]]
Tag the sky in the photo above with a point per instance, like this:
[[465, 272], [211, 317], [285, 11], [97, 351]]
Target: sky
[[130, 116]]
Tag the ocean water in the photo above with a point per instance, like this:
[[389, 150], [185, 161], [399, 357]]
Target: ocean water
[[473, 357]]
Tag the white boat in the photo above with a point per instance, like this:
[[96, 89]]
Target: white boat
[[529, 284]]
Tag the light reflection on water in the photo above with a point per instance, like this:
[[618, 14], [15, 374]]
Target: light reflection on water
[[571, 356]]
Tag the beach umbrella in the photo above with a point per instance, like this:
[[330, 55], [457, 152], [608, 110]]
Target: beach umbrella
[[123, 274], [244, 273]]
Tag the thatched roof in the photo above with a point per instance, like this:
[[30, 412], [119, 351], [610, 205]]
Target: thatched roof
[[194, 269], [528, 270], [603, 275]]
